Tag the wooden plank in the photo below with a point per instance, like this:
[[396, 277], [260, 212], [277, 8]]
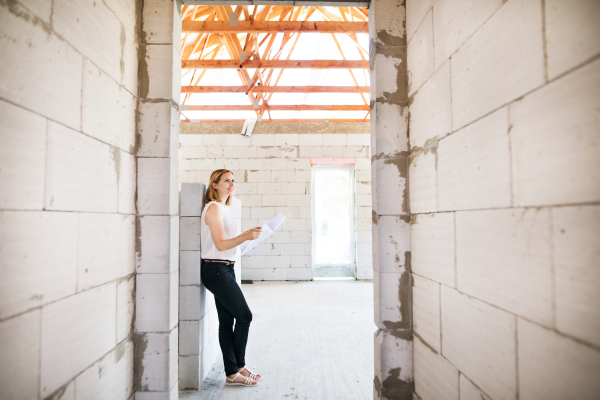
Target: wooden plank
[[275, 26], [276, 89], [276, 64], [302, 107]]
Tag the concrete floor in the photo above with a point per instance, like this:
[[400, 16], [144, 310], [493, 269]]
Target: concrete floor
[[309, 340]]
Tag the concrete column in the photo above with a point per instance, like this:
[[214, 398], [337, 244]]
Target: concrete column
[[391, 215], [157, 236]]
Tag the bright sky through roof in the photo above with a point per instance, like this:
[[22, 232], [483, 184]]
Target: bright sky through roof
[[310, 46]]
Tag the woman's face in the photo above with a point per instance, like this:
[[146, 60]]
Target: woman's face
[[226, 185]]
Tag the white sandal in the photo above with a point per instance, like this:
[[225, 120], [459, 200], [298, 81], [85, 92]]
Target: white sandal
[[247, 382], [252, 375]]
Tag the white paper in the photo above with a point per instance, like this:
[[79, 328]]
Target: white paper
[[269, 227]]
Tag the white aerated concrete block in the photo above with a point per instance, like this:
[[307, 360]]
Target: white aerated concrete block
[[299, 274], [423, 182], [393, 359], [191, 139], [189, 268], [192, 199], [22, 158], [455, 22], [76, 332], [310, 139], [189, 334], [125, 306], [480, 341], [189, 233], [468, 391], [154, 294], [392, 248], [39, 264], [93, 29], [20, 338], [292, 249], [286, 139], [416, 10], [130, 57], [252, 274], [435, 377], [474, 166], [269, 189], [571, 34], [192, 301], [285, 177], [109, 378], [163, 64], [158, 240], [161, 22], [81, 172], [263, 139], [432, 247], [108, 110], [310, 151], [105, 248], [127, 182], [389, 127], [426, 311], [157, 186], [496, 65], [387, 289], [189, 372], [52, 88], [158, 130], [430, 110], [553, 139], [552, 366], [577, 276], [259, 176], [275, 274], [160, 360], [390, 175], [419, 55], [504, 257]]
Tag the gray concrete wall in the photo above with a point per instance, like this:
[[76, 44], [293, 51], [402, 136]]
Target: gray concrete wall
[[68, 91], [273, 172], [392, 281], [157, 223], [505, 198]]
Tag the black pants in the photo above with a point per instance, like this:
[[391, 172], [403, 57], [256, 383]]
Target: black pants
[[219, 278]]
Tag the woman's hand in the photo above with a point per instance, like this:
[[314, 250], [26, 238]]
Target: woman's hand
[[252, 234]]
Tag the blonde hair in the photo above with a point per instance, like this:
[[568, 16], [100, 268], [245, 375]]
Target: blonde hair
[[211, 192]]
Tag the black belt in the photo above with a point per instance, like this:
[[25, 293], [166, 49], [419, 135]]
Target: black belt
[[228, 262]]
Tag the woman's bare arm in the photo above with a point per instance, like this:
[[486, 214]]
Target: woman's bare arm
[[214, 220]]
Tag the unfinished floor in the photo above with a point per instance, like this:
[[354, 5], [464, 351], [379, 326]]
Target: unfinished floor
[[309, 340]]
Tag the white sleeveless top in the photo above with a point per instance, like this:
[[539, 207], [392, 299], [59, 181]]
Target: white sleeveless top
[[208, 248]]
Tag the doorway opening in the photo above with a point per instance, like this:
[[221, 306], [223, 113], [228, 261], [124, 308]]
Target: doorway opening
[[333, 222]]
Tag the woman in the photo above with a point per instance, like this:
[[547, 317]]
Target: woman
[[220, 247]]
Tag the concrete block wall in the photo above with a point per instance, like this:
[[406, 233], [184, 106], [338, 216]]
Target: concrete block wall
[[157, 202], [505, 198], [68, 94], [392, 281], [272, 172]]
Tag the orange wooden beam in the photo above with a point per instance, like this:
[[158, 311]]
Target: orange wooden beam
[[275, 64], [302, 107], [276, 89], [275, 26]]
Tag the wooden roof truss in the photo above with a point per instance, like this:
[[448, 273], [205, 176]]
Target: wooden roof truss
[[257, 39]]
